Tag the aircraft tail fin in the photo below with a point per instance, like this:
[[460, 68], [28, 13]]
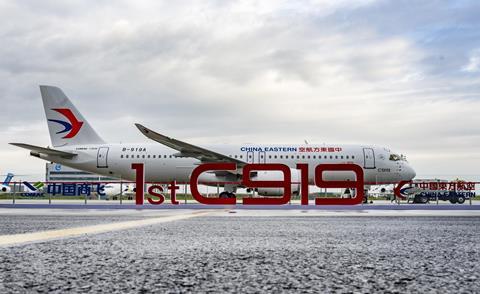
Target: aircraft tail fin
[[7, 179], [66, 124]]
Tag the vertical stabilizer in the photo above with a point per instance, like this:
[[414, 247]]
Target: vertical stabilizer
[[66, 124], [7, 179]]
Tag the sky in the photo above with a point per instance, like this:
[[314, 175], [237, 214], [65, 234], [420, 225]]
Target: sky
[[401, 74]]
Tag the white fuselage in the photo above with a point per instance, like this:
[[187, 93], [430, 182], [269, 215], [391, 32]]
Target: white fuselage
[[161, 165]]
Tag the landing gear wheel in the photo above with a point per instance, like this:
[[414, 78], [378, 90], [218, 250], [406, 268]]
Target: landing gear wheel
[[424, 199], [365, 196], [453, 200], [231, 195], [460, 200], [224, 194]]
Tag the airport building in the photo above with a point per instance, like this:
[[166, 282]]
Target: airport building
[[55, 172]]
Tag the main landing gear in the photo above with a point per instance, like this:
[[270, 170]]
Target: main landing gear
[[229, 190]]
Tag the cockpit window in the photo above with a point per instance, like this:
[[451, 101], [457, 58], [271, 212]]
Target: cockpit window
[[394, 157]]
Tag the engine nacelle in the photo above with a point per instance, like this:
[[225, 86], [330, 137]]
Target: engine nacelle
[[5, 189], [277, 176]]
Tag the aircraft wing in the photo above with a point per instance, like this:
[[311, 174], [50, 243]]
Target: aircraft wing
[[42, 150], [188, 150]]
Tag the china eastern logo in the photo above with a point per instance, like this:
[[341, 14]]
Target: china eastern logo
[[73, 125]]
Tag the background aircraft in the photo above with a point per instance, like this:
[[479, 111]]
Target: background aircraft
[[114, 190], [5, 188]]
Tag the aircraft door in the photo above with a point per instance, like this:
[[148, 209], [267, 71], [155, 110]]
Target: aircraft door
[[262, 157], [102, 156], [250, 157], [369, 158]]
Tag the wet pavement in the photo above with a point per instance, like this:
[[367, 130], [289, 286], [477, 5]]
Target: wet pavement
[[233, 252]]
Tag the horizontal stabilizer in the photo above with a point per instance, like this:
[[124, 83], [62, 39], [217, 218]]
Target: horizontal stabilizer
[[47, 151]]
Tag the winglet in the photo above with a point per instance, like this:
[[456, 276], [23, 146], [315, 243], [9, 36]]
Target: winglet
[[142, 129], [167, 141]]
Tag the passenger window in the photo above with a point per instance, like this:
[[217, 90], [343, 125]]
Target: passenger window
[[331, 157], [121, 156], [241, 156], [235, 156], [281, 156], [126, 156], [298, 156], [347, 156], [341, 157], [270, 157], [336, 156], [353, 157], [138, 155], [303, 156], [308, 156], [154, 156]]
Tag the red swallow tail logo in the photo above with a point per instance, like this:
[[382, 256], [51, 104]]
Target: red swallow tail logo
[[73, 126]]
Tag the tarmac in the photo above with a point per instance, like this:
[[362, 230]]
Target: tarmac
[[237, 249], [293, 205]]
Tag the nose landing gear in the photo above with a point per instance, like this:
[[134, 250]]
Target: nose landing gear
[[226, 194]]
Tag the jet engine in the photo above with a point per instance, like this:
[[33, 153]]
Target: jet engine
[[5, 189]]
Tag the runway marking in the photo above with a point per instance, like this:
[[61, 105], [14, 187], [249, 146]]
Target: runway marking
[[20, 239]]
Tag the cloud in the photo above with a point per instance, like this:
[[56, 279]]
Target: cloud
[[473, 64], [247, 71]]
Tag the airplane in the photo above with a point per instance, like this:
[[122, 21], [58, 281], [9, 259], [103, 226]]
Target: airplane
[[5, 188], [113, 190], [77, 145]]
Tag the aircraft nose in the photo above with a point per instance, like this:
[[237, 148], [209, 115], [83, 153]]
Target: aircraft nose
[[409, 173]]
